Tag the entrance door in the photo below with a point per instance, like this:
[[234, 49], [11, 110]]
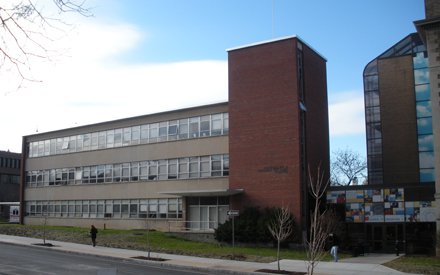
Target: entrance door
[[377, 238]]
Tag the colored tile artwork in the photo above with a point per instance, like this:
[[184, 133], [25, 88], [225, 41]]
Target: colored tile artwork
[[355, 196], [420, 211], [393, 194], [336, 197], [354, 212], [373, 195], [374, 212], [394, 211]]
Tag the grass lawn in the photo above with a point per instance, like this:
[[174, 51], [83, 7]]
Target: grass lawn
[[159, 242], [416, 264]]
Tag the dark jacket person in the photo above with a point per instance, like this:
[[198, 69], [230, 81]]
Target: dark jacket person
[[93, 232]]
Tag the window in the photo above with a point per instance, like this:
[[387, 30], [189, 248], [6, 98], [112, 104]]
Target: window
[[79, 143], [100, 173], [94, 142], [205, 127], [152, 170], [216, 165], [72, 144], [134, 167], [134, 209], [117, 172], [86, 142], [101, 140], [172, 169], [144, 134], [225, 165], [172, 130], [118, 138], [225, 123], [205, 167], [183, 128], [153, 132], [143, 170], [93, 174], [163, 131], [193, 127], [125, 171], [47, 147], [194, 167], [110, 139], [216, 124], [127, 137], [183, 168], [163, 170], [86, 174], [135, 134], [109, 173]]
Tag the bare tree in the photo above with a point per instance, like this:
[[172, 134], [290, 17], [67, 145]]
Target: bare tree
[[347, 167], [281, 227], [322, 222], [25, 32]]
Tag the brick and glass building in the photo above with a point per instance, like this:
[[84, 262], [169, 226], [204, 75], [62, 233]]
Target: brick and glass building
[[184, 169], [9, 181], [398, 204]]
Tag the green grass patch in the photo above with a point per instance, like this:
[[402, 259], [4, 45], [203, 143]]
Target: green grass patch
[[416, 264]]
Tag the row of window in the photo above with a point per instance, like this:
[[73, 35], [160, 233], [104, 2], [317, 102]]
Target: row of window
[[170, 208], [168, 169], [6, 179], [424, 116], [187, 128], [9, 163]]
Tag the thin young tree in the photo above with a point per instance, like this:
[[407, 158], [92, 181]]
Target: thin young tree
[[281, 227], [322, 222]]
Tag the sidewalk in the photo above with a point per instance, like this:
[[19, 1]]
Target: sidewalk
[[370, 264]]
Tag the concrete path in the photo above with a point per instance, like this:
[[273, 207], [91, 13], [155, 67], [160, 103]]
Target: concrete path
[[364, 265]]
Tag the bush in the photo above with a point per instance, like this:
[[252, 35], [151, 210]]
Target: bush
[[250, 226]]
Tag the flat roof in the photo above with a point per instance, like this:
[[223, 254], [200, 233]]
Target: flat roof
[[185, 109], [276, 40]]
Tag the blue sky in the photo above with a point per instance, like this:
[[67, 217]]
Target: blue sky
[[131, 50]]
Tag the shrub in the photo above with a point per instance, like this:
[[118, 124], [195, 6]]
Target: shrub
[[250, 226]]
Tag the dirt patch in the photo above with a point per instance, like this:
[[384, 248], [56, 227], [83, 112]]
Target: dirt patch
[[280, 272], [44, 244], [150, 258]]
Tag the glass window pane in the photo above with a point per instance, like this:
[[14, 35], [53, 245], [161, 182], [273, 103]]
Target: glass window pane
[[424, 109], [426, 143], [183, 128], [426, 160], [126, 140], [427, 175], [421, 76], [154, 132], [193, 127], [205, 126], [144, 133], [424, 126], [110, 138], [420, 60], [118, 138], [423, 92], [371, 82]]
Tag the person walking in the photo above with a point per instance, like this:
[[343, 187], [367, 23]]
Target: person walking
[[93, 232], [334, 249]]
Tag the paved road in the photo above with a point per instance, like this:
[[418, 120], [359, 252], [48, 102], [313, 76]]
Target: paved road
[[34, 260]]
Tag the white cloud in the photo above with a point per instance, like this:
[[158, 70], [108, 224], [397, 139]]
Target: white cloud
[[346, 113], [82, 88]]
